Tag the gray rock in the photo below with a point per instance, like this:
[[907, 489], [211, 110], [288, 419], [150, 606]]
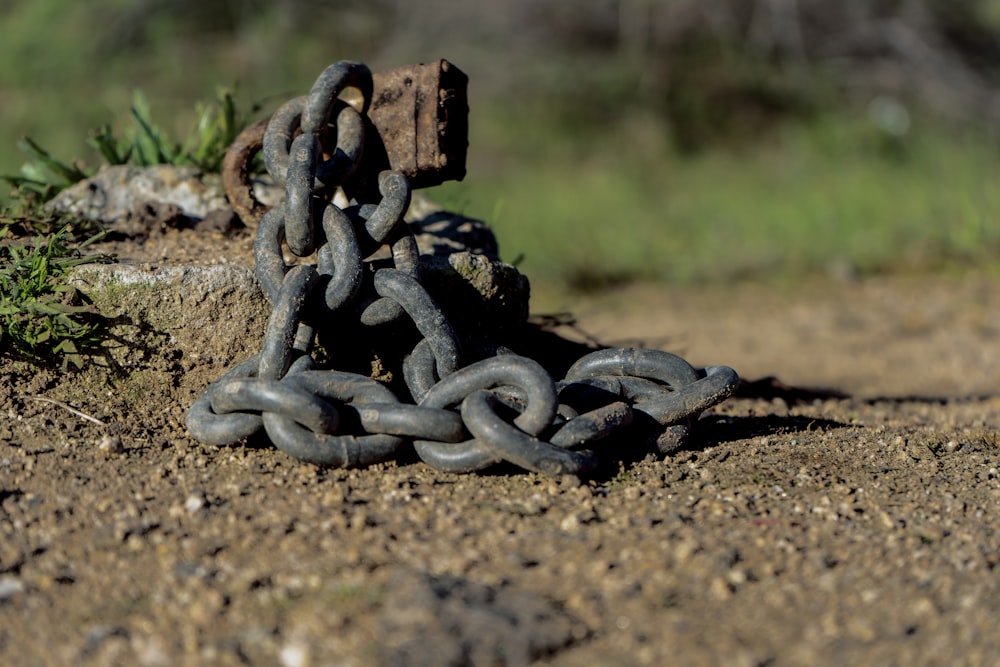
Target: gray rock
[[180, 304], [132, 199], [486, 295], [122, 192], [9, 587], [204, 314], [451, 622]]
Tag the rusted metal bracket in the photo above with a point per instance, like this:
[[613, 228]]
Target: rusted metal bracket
[[417, 123], [421, 113]]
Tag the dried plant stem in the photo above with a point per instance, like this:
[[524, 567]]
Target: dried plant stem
[[76, 412]]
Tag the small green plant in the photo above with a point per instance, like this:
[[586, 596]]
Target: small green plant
[[146, 144], [41, 317], [142, 144], [41, 179]]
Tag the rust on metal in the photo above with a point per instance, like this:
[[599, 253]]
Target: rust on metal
[[421, 113], [420, 118], [236, 173]]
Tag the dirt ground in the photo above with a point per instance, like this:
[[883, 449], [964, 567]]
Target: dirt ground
[[845, 513]]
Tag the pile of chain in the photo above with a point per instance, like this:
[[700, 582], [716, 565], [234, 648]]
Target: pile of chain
[[462, 414]]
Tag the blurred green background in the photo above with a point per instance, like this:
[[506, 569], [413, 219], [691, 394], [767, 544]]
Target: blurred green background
[[611, 140]]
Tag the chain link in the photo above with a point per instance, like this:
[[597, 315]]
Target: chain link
[[465, 414]]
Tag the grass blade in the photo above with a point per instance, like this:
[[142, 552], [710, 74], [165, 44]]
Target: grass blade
[[67, 172]]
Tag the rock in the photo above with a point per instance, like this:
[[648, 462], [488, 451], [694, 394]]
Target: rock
[[151, 302], [135, 199], [451, 622], [484, 297], [9, 587], [159, 316], [120, 193]]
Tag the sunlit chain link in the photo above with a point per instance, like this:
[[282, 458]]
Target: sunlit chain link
[[465, 415]]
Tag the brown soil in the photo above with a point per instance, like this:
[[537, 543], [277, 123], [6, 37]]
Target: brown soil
[[846, 513]]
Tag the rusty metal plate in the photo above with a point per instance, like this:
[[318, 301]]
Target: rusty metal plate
[[421, 113], [417, 123]]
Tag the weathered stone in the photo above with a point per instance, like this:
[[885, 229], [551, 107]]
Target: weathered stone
[[484, 293], [133, 199], [205, 314], [453, 622], [180, 306], [121, 192], [215, 313]]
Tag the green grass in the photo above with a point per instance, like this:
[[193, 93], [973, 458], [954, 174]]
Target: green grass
[[143, 143], [41, 317], [67, 67], [832, 195], [585, 186]]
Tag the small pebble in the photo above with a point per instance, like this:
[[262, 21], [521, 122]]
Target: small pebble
[[9, 587], [294, 655], [569, 481], [110, 444], [194, 503], [570, 523]]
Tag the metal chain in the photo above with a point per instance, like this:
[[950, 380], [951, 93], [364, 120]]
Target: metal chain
[[464, 415]]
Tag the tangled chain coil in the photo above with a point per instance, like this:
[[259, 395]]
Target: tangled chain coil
[[463, 416]]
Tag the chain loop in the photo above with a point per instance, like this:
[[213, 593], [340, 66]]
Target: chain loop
[[345, 157], [269, 263], [426, 315], [385, 226], [503, 408], [525, 374], [339, 258], [225, 428], [592, 426], [305, 154], [480, 417], [286, 332], [258, 394], [296, 161], [213, 428], [340, 450], [327, 89]]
